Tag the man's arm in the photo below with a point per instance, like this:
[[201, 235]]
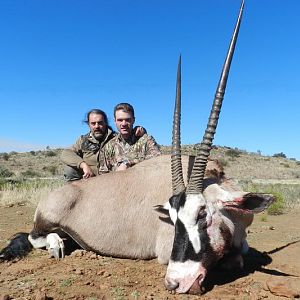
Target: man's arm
[[73, 157], [145, 148]]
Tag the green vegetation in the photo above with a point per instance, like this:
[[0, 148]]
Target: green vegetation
[[233, 153], [277, 208], [5, 172], [286, 195], [30, 174], [50, 153], [23, 175], [51, 169], [281, 154], [66, 282], [22, 190], [223, 162], [118, 293], [5, 156], [135, 294]]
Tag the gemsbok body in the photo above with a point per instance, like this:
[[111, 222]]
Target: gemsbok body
[[188, 216]]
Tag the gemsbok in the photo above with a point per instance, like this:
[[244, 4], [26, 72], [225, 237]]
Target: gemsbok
[[117, 214]]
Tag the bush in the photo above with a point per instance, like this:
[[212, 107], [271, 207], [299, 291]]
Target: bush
[[5, 156], [51, 169], [277, 208], [281, 154], [223, 162], [233, 153], [31, 174], [5, 172], [50, 153], [285, 194]]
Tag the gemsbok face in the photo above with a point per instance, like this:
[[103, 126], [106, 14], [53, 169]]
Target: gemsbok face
[[205, 232]]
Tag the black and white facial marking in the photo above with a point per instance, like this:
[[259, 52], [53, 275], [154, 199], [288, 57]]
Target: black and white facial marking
[[201, 237], [190, 216]]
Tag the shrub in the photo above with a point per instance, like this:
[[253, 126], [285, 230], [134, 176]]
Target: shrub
[[281, 154], [51, 169], [286, 165], [286, 195], [30, 174], [223, 162], [5, 172], [5, 156], [32, 153], [277, 208], [50, 153], [233, 153]]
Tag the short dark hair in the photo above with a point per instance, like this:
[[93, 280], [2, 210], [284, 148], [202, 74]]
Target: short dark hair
[[96, 111], [126, 107]]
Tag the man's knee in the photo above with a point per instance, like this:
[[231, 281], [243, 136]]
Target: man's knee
[[72, 173]]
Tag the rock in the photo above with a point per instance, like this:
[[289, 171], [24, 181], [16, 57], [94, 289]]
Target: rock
[[93, 256], [79, 272], [282, 287], [78, 253], [41, 296], [4, 297]]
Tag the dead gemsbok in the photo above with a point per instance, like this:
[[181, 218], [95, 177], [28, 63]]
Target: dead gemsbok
[[117, 214]]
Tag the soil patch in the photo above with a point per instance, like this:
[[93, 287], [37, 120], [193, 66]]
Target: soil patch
[[272, 268]]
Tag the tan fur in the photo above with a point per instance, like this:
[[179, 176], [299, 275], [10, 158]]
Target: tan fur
[[113, 213]]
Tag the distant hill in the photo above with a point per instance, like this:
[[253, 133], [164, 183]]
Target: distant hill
[[238, 164]]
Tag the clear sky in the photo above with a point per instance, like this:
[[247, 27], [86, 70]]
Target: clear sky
[[61, 58]]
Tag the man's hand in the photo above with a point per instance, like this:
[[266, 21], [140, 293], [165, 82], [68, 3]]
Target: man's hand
[[87, 171], [123, 165], [139, 131]]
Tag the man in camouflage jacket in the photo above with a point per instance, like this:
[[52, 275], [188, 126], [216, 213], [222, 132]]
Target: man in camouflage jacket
[[125, 150], [84, 158]]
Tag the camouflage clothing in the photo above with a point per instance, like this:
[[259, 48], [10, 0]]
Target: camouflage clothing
[[86, 149], [118, 151]]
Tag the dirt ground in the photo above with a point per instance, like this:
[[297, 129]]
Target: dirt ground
[[272, 268]]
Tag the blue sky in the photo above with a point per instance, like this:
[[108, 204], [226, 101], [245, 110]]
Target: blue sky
[[60, 58]]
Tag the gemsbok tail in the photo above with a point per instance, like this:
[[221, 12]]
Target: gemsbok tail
[[18, 246]]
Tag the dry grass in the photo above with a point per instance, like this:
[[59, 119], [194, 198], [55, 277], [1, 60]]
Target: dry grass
[[27, 191], [253, 171]]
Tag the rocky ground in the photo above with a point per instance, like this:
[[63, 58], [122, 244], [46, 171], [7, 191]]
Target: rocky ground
[[272, 269]]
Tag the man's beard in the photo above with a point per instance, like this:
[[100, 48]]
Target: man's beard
[[99, 135]]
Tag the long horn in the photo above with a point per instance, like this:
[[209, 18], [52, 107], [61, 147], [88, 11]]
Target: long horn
[[176, 164], [195, 185]]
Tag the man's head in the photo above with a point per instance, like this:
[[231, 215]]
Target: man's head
[[124, 119], [98, 123]]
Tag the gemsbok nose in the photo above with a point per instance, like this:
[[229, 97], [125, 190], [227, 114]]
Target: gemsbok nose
[[171, 285]]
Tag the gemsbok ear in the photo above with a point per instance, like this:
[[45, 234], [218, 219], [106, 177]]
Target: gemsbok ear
[[254, 202], [162, 209]]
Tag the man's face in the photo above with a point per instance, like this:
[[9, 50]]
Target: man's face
[[97, 126], [124, 122]]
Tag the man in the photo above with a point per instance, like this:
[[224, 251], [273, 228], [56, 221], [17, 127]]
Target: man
[[85, 157], [125, 149]]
